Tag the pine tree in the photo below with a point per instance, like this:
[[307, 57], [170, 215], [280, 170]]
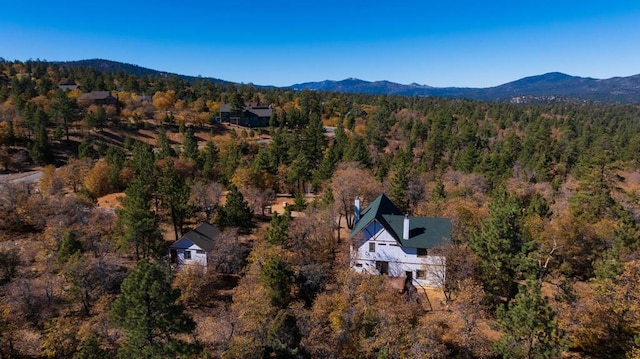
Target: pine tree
[[40, 149], [277, 231], [85, 149], [209, 160], [90, 348], [400, 180], [139, 223], [62, 108], [115, 158], [529, 326], [341, 140], [190, 145], [357, 151], [299, 172], [313, 141], [501, 245], [230, 160], [163, 145], [143, 162], [236, 211], [10, 138], [175, 195], [327, 166], [69, 245], [277, 278], [147, 312], [283, 337]]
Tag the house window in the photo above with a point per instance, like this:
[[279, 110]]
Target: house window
[[372, 247], [187, 254], [199, 251], [422, 252], [359, 265], [420, 274]]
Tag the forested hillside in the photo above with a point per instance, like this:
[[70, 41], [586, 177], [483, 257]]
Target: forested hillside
[[544, 200]]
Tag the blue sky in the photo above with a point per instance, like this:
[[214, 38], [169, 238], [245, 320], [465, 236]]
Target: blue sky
[[282, 42]]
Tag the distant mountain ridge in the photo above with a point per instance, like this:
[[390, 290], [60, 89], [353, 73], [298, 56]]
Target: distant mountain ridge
[[115, 66], [541, 87], [547, 87], [361, 86]]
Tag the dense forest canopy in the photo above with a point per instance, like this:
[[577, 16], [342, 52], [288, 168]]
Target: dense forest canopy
[[544, 199]]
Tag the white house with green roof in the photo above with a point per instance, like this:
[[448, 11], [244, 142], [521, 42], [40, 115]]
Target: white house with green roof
[[386, 241]]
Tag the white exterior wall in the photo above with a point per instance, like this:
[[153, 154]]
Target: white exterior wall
[[400, 259], [184, 245]]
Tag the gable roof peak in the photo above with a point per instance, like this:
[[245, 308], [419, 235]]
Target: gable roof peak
[[424, 232]]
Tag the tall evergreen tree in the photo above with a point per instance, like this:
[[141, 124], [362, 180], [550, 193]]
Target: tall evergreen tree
[[277, 231], [230, 160], [143, 161], [90, 348], [236, 211], [140, 225], [313, 141], [115, 158], [357, 151], [174, 193], [40, 148], [190, 145], [327, 165], [277, 278], [147, 312], [341, 140], [529, 326], [209, 159], [502, 245], [163, 145], [399, 182], [299, 173], [283, 337], [62, 108]]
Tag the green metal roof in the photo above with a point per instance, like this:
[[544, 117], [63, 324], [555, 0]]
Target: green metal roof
[[424, 232]]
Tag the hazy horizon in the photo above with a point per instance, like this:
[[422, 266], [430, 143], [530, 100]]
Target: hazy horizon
[[460, 44]]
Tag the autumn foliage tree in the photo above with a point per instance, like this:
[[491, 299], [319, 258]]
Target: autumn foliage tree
[[351, 180]]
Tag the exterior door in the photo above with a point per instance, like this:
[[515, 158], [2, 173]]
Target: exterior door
[[382, 267]]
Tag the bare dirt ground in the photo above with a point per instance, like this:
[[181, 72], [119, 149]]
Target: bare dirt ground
[[280, 203], [111, 201]]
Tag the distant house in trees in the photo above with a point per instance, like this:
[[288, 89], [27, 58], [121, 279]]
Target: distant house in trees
[[71, 86], [249, 116], [386, 241], [194, 247], [98, 98]]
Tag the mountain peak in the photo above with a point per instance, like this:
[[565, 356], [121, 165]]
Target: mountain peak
[[543, 87]]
